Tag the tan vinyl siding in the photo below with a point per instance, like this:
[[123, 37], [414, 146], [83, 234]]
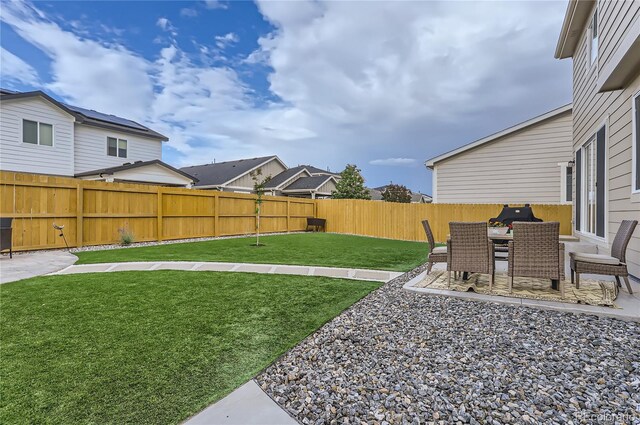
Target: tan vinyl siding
[[592, 109], [328, 187], [521, 167], [18, 156], [271, 168]]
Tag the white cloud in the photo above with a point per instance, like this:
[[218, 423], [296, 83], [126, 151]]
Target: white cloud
[[403, 81], [15, 70], [166, 25], [394, 162], [223, 41], [215, 4], [188, 12]]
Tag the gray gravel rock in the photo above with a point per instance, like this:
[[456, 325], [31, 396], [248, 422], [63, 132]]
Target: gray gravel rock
[[399, 357]]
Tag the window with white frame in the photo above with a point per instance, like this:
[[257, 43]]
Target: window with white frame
[[37, 133], [566, 182], [593, 37], [590, 156], [116, 147], [635, 184]]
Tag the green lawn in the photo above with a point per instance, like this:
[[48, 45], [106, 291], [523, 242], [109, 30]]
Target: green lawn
[[312, 249], [151, 347]]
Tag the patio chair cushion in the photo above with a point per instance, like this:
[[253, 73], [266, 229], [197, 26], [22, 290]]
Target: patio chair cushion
[[595, 258], [439, 250]]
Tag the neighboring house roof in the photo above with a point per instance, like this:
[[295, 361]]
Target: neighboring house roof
[[137, 164], [551, 114], [575, 18], [315, 170], [221, 173], [419, 197], [308, 183], [376, 195], [88, 116], [284, 177]]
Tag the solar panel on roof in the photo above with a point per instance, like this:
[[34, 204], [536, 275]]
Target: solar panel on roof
[[106, 117]]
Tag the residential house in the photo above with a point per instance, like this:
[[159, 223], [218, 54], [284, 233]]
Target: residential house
[[416, 197], [603, 39], [301, 181], [235, 176], [304, 181], [527, 163], [41, 135]]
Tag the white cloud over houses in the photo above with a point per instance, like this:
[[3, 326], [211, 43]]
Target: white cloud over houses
[[402, 81]]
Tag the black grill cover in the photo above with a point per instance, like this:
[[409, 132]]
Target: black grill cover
[[510, 214]]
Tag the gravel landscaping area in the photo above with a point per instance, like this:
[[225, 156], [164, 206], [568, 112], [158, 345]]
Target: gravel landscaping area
[[401, 357]]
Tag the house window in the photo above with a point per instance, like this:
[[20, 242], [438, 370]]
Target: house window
[[116, 147], [589, 217], [566, 182], [590, 185], [37, 133], [635, 185], [593, 31]]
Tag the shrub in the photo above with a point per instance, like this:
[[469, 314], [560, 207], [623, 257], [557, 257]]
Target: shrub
[[126, 237]]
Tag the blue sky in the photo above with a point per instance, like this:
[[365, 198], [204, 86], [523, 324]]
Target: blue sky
[[305, 80]]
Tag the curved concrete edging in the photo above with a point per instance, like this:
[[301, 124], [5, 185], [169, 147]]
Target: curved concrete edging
[[336, 272]]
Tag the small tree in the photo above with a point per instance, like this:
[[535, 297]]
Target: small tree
[[396, 193], [351, 185], [258, 186]]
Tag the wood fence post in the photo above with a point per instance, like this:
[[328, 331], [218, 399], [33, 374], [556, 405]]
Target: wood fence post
[[288, 215], [159, 222], [79, 214], [216, 214]]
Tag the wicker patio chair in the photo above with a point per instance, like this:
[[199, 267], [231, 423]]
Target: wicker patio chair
[[437, 254], [535, 251], [612, 265], [469, 250]]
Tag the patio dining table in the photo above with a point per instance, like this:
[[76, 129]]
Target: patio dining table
[[509, 237]]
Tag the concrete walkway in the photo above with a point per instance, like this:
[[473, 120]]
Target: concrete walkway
[[356, 274], [246, 405], [26, 265]]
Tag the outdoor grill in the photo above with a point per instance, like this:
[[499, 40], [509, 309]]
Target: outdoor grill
[[510, 214]]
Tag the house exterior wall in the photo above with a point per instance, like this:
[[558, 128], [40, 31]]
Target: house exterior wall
[[521, 167], [271, 168], [328, 187], [613, 109], [91, 148], [24, 157], [153, 174]]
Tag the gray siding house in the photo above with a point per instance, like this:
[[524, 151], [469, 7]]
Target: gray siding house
[[603, 39], [526, 163], [304, 181], [39, 134]]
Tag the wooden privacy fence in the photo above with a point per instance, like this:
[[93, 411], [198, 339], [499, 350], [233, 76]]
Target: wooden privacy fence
[[93, 212], [403, 221]]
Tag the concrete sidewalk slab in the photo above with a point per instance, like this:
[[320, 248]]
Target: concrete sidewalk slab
[[628, 304], [26, 265], [248, 405]]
